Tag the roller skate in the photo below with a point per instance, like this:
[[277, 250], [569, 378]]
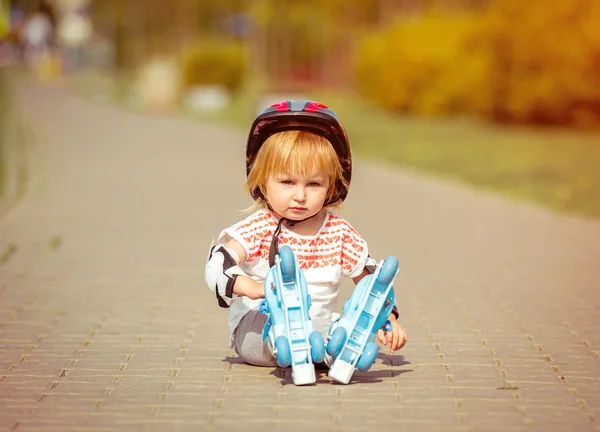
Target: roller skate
[[350, 341], [289, 330]]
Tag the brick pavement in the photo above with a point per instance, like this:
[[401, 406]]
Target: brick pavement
[[105, 322]]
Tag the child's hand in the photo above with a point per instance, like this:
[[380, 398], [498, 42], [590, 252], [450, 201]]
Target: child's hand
[[396, 338]]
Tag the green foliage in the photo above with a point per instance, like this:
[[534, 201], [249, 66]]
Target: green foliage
[[215, 63], [310, 29], [4, 18], [141, 29]]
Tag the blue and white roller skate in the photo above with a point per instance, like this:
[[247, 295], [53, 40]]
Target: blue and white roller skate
[[351, 338], [289, 329]]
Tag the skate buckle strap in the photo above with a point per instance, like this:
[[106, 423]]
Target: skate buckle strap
[[266, 328]]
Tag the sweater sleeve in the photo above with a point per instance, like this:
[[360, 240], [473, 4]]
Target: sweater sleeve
[[247, 233], [354, 253]]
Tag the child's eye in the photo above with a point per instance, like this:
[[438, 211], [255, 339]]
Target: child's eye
[[287, 182], [315, 184]]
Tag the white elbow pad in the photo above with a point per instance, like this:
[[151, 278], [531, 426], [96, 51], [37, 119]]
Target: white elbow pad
[[370, 265], [220, 273]]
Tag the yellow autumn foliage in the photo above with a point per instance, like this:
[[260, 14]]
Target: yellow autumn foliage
[[530, 62]]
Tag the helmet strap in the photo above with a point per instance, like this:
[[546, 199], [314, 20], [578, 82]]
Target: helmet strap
[[274, 248]]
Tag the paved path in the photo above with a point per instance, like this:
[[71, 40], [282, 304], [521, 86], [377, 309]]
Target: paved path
[[105, 320]]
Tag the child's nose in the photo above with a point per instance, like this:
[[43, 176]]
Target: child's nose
[[300, 194]]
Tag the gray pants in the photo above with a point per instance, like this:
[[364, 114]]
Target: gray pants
[[248, 343]]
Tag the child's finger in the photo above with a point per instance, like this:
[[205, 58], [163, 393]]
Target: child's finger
[[381, 336], [395, 339], [402, 337]]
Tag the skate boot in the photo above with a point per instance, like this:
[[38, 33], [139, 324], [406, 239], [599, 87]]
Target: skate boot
[[351, 338], [289, 330]]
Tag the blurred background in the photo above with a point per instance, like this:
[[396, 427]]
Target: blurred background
[[499, 94]]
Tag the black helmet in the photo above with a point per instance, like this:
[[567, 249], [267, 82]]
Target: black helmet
[[307, 116]]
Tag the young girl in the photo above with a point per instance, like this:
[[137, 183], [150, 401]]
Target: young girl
[[298, 166]]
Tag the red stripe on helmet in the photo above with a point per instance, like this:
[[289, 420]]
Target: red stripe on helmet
[[315, 106], [281, 106]]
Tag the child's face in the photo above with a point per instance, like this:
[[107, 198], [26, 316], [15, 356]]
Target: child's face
[[297, 196]]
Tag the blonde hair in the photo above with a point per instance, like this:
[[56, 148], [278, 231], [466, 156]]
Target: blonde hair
[[295, 152]]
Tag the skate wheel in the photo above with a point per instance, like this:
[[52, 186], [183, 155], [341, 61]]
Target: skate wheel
[[337, 341], [317, 347], [288, 264], [368, 357], [388, 270], [284, 353]]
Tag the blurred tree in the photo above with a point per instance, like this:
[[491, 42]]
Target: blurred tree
[[422, 66], [545, 60], [535, 62], [309, 40], [141, 28]]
